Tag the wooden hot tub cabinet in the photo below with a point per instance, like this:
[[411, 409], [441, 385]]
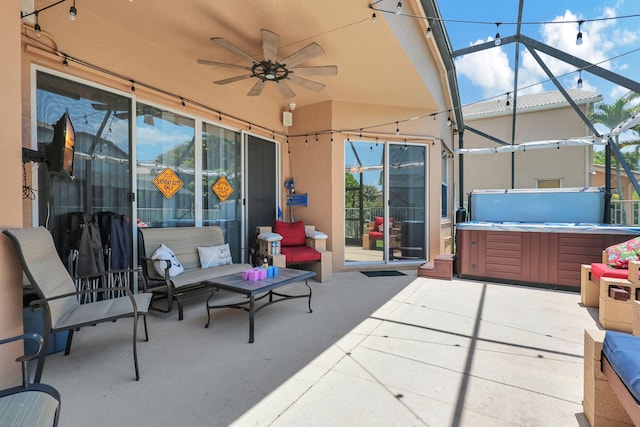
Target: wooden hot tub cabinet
[[536, 256]]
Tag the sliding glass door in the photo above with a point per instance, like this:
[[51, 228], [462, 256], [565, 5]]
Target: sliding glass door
[[385, 200]]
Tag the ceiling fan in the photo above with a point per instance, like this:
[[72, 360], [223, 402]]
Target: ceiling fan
[[272, 70]]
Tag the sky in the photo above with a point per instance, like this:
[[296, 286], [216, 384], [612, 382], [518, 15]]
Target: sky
[[489, 74]]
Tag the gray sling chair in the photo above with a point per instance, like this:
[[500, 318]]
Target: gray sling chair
[[59, 297], [29, 404]]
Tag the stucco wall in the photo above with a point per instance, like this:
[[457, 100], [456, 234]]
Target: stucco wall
[[10, 196]]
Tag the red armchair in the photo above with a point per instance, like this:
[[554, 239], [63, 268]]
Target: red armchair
[[375, 231], [296, 245]]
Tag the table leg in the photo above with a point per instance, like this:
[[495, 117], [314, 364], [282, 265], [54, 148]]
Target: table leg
[[252, 304], [208, 311]]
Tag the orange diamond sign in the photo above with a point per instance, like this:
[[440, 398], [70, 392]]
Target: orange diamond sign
[[222, 188], [168, 183]]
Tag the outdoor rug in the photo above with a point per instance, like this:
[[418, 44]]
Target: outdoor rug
[[381, 273]]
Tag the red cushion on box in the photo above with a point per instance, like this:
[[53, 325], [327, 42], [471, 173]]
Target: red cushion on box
[[300, 254], [292, 233], [599, 270]]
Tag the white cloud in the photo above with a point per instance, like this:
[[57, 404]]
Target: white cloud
[[488, 69], [492, 71], [618, 92]]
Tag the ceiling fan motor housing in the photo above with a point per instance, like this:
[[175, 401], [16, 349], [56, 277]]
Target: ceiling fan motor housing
[[271, 71]]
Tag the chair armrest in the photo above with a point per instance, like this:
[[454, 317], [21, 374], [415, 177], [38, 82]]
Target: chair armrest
[[26, 357]]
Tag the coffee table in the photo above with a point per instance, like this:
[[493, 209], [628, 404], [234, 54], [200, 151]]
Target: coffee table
[[257, 290]]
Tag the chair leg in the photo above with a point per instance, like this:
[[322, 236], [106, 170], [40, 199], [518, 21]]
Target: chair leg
[[135, 350], [67, 348], [146, 331]]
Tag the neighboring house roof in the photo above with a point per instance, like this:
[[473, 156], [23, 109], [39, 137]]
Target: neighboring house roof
[[528, 103]]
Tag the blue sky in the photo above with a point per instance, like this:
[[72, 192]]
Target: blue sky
[[489, 73]]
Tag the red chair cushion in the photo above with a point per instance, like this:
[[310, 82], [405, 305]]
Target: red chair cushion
[[375, 235], [599, 270], [292, 233], [377, 223], [300, 254]]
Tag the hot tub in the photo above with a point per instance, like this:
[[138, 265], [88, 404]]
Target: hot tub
[[533, 253]]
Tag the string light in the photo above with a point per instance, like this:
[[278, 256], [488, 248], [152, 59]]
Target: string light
[[498, 40], [133, 86], [429, 33], [332, 137], [374, 18], [397, 129], [37, 27], [182, 102], [579, 36], [579, 84], [306, 141], [449, 122], [316, 139], [73, 12], [399, 8], [65, 63], [508, 103]]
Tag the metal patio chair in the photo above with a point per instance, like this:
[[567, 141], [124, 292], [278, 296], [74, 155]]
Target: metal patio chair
[[59, 298]]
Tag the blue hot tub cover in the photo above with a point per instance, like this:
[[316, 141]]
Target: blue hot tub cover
[[623, 353]]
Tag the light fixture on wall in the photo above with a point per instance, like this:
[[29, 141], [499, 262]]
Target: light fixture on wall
[[579, 36]]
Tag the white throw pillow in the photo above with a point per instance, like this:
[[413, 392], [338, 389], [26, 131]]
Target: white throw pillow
[[214, 256], [164, 253]]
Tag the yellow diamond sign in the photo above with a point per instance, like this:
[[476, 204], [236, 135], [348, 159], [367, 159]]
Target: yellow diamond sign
[[168, 183], [222, 188]]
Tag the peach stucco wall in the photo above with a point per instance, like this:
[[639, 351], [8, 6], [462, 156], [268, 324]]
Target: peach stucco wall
[[10, 196]]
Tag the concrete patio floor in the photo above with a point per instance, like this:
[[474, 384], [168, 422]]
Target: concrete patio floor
[[387, 351]]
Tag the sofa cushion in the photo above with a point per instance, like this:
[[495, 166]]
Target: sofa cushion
[[300, 254], [293, 233], [599, 270], [623, 353], [618, 256]]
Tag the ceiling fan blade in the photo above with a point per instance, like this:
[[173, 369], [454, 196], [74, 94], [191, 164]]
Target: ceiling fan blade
[[270, 42], [222, 64], [325, 70], [231, 48], [307, 84], [232, 79], [257, 88], [310, 51], [284, 89]]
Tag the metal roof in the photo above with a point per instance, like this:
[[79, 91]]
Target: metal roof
[[527, 103]]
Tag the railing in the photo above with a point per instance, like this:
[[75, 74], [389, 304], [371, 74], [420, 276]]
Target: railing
[[625, 212]]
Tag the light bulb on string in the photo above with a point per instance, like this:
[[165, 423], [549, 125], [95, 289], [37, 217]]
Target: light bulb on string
[[508, 103], [374, 18], [429, 32], [37, 27], [579, 36], [579, 84], [73, 12], [397, 129], [399, 8], [65, 63], [498, 40]]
